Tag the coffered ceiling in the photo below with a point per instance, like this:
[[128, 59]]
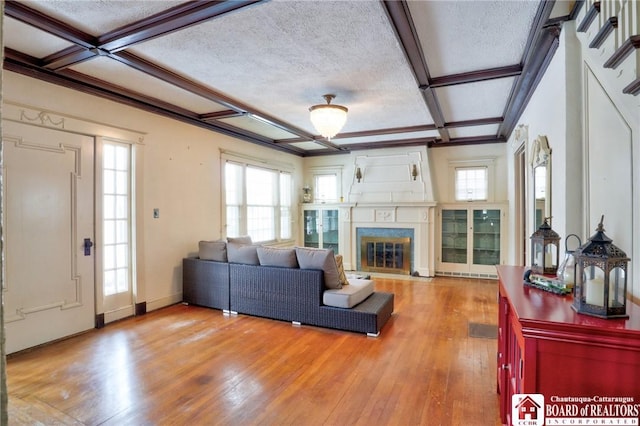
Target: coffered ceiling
[[435, 73]]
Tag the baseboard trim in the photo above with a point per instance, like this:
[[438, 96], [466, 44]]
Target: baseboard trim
[[141, 308], [467, 275]]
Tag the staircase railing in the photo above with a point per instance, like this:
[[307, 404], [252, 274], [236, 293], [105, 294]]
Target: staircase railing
[[613, 27]]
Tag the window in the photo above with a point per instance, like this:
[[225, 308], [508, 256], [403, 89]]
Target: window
[[116, 181], [258, 202], [471, 183], [326, 188]]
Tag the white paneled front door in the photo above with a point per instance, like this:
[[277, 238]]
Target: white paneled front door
[[49, 279]]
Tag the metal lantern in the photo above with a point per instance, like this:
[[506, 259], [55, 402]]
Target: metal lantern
[[567, 269], [601, 277], [545, 250]]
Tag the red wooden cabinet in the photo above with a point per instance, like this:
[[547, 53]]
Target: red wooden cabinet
[[545, 347]]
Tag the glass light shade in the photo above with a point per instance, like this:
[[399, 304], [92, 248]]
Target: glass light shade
[[328, 119]]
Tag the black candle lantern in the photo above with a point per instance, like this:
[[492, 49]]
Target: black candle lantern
[[545, 250], [601, 277]]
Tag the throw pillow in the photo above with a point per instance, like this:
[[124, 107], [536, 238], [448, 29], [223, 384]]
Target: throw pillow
[[341, 275], [240, 240], [313, 258], [242, 253], [276, 256], [213, 250]]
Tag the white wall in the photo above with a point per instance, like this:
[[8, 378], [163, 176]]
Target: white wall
[[180, 176], [436, 163], [592, 129], [441, 158]]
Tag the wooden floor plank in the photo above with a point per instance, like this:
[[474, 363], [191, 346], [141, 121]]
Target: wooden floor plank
[[187, 365]]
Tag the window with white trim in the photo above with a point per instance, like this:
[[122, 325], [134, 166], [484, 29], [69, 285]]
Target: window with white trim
[[257, 202], [116, 217], [471, 183], [326, 188]]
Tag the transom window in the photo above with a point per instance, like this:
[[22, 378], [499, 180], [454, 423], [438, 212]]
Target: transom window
[[258, 202], [471, 183], [326, 188]]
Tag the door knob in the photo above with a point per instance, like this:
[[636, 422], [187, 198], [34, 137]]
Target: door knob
[[87, 246]]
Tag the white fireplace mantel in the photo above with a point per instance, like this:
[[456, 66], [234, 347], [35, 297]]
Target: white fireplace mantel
[[420, 217]]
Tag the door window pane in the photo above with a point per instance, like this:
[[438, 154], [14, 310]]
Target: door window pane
[[116, 218]]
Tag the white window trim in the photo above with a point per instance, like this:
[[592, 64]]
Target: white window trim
[[326, 170], [488, 163], [246, 160]]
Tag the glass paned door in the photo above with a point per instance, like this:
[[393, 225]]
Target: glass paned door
[[454, 236], [330, 230], [311, 229], [486, 237], [321, 229]]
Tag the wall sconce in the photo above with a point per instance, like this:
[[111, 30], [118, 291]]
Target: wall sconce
[[414, 172], [358, 174]]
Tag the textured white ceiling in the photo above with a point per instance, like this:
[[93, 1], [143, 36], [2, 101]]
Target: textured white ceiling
[[121, 75], [475, 100], [277, 58], [463, 36], [97, 17], [293, 52], [21, 37]]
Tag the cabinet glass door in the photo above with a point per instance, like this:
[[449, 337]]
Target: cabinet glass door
[[321, 229], [311, 229], [454, 236], [486, 237], [330, 230]]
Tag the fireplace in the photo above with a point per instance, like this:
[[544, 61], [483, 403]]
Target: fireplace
[[391, 255], [386, 250]]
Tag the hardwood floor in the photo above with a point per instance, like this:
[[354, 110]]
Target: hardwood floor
[[191, 365]]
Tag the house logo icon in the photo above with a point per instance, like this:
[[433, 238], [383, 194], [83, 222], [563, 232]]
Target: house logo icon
[[527, 409]]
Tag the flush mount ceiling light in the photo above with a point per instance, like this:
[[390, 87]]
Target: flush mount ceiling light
[[328, 119]]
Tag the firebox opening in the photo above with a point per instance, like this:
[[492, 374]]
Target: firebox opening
[[391, 255]]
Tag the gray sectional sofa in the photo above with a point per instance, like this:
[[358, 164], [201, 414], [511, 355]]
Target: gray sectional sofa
[[283, 293]]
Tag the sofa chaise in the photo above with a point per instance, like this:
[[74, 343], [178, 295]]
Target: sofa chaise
[[295, 294]]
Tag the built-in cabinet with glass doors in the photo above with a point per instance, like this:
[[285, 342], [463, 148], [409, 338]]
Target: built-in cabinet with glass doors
[[470, 240], [320, 228]]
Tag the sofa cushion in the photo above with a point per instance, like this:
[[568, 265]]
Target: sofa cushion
[[276, 256], [246, 239], [213, 250], [341, 275], [348, 296], [242, 253], [324, 259]]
